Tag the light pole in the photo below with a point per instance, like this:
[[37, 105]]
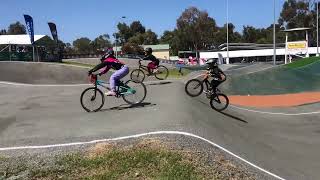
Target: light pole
[[227, 60], [116, 49], [274, 33]]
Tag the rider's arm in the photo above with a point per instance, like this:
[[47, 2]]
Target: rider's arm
[[222, 75], [146, 58], [99, 66], [105, 70]]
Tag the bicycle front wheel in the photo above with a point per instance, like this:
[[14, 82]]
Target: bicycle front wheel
[[219, 102], [137, 75], [92, 99], [162, 73], [136, 93], [194, 87]]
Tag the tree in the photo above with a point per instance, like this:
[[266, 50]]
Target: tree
[[250, 34], [3, 32], [102, 41], [136, 27], [16, 28], [137, 39], [68, 49], [197, 28], [132, 48], [124, 33], [167, 37], [82, 45], [150, 38], [47, 42], [296, 14]]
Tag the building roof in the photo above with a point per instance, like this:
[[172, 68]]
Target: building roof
[[22, 39], [157, 47], [296, 29], [154, 47]]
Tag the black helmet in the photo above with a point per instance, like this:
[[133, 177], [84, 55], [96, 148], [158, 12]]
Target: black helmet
[[148, 50], [212, 62]]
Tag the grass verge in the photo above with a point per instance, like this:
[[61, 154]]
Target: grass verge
[[147, 159], [302, 62], [78, 64], [174, 73]]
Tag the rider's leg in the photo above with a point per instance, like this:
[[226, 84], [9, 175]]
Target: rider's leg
[[116, 76], [151, 66], [215, 84]]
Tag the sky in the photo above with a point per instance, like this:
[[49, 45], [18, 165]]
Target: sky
[[91, 18]]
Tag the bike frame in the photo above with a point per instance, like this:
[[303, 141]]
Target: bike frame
[[120, 84], [205, 80], [143, 67]]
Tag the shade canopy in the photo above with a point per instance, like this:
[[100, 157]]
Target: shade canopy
[[22, 39]]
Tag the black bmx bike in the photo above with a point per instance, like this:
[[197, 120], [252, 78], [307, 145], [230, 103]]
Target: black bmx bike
[[138, 75], [218, 100]]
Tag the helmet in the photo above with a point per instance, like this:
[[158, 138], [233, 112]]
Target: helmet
[[109, 52], [148, 50], [212, 62]]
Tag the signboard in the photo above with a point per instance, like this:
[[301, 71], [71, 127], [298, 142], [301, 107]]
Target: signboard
[[29, 23], [297, 47]]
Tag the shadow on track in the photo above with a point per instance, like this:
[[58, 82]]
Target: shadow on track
[[128, 106], [159, 83], [226, 114], [233, 117]]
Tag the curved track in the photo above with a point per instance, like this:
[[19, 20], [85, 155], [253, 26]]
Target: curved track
[[286, 145]]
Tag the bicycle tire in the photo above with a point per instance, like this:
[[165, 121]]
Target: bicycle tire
[[82, 99], [221, 99], [163, 74], [197, 83], [137, 75], [142, 87]]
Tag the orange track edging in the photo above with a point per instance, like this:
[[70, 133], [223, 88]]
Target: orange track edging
[[283, 100]]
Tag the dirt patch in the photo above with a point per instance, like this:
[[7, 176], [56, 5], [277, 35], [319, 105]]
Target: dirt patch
[[283, 100]]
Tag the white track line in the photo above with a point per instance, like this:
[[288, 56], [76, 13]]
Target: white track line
[[275, 113], [55, 85], [43, 85], [140, 135]]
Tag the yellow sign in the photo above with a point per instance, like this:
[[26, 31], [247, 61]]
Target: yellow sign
[[297, 45]]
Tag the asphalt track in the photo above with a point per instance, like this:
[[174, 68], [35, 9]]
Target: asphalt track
[[283, 141]]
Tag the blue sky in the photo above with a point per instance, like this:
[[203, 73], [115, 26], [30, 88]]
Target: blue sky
[[90, 18]]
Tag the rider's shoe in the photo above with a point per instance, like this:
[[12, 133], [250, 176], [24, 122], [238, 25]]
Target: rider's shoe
[[110, 93]]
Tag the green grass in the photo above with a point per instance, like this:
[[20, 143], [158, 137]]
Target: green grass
[[122, 164], [79, 64], [302, 62], [146, 159], [174, 73]]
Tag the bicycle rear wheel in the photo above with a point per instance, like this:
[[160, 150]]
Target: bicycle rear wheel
[[136, 93], [92, 99], [219, 102], [194, 87], [137, 75], [162, 73]]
